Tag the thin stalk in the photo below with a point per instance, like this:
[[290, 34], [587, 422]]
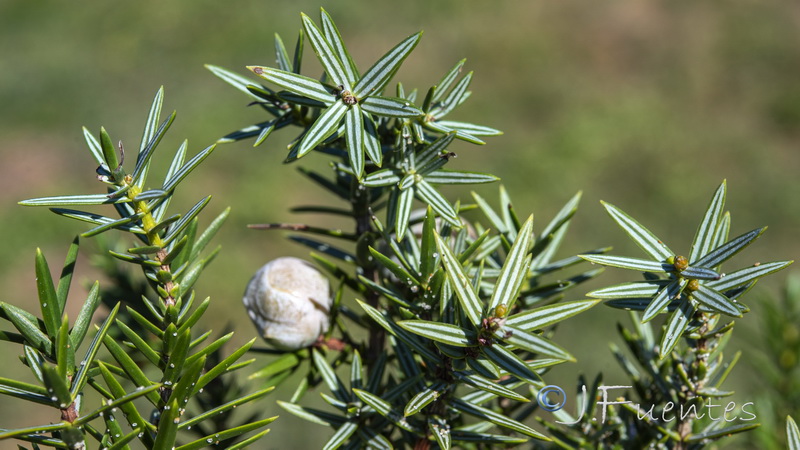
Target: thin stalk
[[149, 225], [698, 374], [165, 289], [362, 212]]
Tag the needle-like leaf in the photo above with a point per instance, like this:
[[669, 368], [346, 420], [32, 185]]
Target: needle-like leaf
[[471, 304], [746, 275], [72, 200], [716, 301], [704, 238], [299, 84], [354, 134], [385, 409], [726, 251], [390, 107], [532, 343], [335, 39], [792, 434], [676, 325], [646, 240], [148, 148], [514, 270], [331, 379], [497, 419], [539, 318], [667, 294], [374, 79], [86, 364], [325, 125], [47, 295], [432, 197], [326, 54], [624, 262], [440, 332], [459, 177], [341, 435]]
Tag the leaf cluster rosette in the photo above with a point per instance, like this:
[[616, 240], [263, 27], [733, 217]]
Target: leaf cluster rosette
[[688, 287], [675, 379]]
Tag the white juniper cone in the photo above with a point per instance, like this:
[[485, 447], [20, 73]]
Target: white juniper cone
[[288, 300]]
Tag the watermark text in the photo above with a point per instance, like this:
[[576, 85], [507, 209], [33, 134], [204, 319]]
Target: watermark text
[[553, 398]]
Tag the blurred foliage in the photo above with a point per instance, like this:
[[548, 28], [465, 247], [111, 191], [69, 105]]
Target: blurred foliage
[[646, 103], [777, 364]]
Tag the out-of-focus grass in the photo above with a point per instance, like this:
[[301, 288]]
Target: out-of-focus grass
[[644, 104]]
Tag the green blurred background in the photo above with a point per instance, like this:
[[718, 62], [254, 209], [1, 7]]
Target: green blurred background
[[648, 105]]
